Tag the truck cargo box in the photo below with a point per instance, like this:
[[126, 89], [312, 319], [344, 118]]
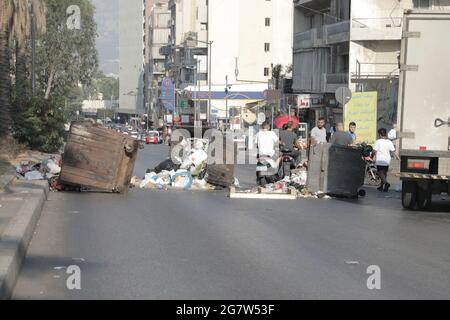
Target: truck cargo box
[[98, 158], [424, 107]]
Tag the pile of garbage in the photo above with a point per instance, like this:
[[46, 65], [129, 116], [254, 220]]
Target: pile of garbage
[[187, 172], [297, 180], [39, 166]]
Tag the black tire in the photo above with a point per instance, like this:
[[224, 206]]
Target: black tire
[[409, 195], [362, 193], [424, 195], [220, 175]]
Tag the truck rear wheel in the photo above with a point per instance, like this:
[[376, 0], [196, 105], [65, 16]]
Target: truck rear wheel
[[424, 195], [409, 195]]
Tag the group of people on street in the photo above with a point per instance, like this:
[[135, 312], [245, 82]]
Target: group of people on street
[[383, 150]]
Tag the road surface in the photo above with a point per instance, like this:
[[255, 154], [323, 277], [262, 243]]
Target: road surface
[[185, 245]]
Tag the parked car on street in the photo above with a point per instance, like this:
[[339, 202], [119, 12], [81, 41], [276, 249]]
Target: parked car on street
[[153, 137]]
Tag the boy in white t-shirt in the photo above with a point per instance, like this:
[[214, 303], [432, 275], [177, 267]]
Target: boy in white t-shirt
[[384, 150]]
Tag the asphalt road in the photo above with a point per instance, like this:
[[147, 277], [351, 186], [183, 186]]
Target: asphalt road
[[185, 245]]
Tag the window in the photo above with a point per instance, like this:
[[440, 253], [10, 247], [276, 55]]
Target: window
[[267, 22], [421, 4], [266, 72], [266, 47]]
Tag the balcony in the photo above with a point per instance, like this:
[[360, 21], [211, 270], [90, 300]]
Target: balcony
[[374, 70], [308, 39], [332, 81], [337, 32], [366, 29]]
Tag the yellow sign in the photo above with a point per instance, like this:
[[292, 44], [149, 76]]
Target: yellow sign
[[362, 109]]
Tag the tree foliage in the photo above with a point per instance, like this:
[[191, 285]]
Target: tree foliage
[[40, 124], [67, 57]]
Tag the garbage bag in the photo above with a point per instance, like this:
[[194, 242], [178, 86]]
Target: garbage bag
[[53, 167], [182, 180], [149, 180], [166, 165], [34, 175]]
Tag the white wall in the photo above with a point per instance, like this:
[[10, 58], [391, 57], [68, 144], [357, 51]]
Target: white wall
[[238, 30], [224, 31], [282, 35]]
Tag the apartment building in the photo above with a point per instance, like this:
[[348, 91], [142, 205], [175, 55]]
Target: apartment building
[[159, 36], [188, 49], [250, 37], [354, 44], [132, 47]]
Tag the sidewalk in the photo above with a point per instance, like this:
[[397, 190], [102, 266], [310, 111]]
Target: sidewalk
[[20, 208]]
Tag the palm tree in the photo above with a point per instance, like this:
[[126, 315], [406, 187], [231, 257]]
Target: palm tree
[[5, 80], [15, 24]]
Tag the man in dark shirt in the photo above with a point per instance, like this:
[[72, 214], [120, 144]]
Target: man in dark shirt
[[288, 140], [340, 137]]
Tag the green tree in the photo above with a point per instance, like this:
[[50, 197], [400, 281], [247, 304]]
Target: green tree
[[276, 74], [67, 57], [66, 60], [40, 124]]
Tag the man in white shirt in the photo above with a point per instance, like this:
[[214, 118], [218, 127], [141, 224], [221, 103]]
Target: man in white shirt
[[384, 150], [267, 141], [319, 133]]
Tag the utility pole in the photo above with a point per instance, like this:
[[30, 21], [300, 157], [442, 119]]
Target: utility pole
[[199, 89], [226, 101], [195, 95], [209, 80]]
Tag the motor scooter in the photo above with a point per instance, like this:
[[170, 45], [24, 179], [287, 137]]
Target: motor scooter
[[270, 171]]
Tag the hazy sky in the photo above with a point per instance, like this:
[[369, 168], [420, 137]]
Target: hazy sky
[[107, 18]]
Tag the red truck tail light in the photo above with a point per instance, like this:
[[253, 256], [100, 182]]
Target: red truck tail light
[[419, 164]]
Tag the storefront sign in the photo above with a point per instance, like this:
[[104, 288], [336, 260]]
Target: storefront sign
[[362, 109], [306, 101]]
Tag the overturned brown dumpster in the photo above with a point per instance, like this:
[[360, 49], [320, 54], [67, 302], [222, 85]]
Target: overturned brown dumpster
[[98, 158]]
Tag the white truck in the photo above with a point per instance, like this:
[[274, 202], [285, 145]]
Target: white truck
[[424, 107]]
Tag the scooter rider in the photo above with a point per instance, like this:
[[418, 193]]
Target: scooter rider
[[267, 142], [288, 140]]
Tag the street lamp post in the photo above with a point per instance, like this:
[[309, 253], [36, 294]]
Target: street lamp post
[[227, 117]]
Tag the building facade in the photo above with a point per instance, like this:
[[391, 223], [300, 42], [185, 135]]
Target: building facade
[[354, 44], [132, 36], [240, 41], [188, 49], [159, 36], [250, 37]]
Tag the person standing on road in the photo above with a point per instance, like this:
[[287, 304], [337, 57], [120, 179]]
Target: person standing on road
[[352, 131], [340, 137], [384, 150], [319, 133]]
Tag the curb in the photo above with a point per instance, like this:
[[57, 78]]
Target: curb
[[5, 181], [17, 236]]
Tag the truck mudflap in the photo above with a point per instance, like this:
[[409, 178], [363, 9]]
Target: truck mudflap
[[412, 176]]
